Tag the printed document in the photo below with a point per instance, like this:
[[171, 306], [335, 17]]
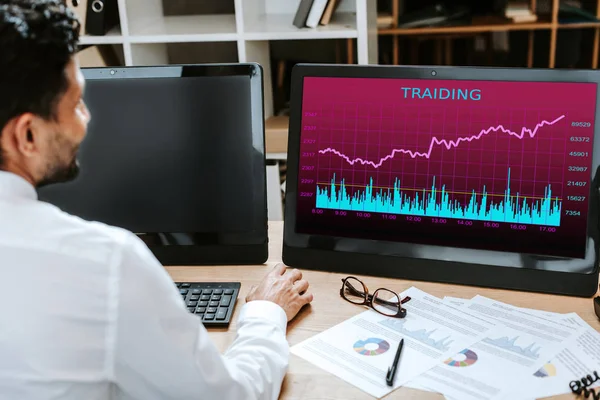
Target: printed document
[[455, 301], [519, 347], [362, 348], [487, 369], [579, 358], [418, 383]]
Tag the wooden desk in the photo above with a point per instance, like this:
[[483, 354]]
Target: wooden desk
[[306, 381]]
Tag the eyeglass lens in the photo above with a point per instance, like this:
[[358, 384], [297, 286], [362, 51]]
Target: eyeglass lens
[[354, 291], [386, 302]]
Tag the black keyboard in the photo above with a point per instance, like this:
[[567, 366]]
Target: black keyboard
[[212, 302]]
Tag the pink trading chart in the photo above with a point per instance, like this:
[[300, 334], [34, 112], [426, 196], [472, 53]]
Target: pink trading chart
[[477, 164]]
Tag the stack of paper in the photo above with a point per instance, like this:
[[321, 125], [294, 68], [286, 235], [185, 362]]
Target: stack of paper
[[464, 349]]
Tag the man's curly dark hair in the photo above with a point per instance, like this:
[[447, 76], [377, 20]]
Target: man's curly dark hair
[[37, 40]]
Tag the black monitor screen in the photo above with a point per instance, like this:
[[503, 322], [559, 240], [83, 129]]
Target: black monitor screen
[[177, 153]]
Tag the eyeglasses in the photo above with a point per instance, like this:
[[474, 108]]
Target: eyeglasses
[[384, 301]]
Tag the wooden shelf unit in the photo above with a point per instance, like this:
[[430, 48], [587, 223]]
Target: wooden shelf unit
[[483, 24], [498, 24]]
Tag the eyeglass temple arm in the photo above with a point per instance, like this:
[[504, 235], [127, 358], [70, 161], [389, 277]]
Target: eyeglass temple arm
[[404, 300]]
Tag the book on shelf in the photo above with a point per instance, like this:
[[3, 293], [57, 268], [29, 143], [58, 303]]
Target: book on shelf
[[524, 18], [519, 12], [302, 13], [384, 20], [316, 13], [332, 5], [312, 13]]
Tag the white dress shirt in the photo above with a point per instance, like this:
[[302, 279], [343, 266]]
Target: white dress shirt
[[88, 313]]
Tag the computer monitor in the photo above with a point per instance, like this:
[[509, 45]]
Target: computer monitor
[[483, 176], [176, 155]]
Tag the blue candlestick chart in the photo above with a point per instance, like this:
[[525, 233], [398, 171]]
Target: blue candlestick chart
[[436, 203]]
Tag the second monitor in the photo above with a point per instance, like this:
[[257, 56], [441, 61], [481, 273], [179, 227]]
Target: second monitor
[[175, 154], [467, 175]]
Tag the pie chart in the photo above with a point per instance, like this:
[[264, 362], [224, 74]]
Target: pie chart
[[547, 370], [463, 359], [371, 347]]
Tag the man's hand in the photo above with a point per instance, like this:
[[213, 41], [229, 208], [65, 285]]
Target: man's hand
[[285, 288]]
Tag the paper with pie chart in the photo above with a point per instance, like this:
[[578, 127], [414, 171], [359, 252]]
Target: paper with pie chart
[[360, 349], [580, 356], [487, 369], [520, 347]]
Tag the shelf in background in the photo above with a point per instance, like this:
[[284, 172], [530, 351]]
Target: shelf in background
[[112, 37], [579, 25], [483, 24], [276, 134], [280, 27], [185, 28]]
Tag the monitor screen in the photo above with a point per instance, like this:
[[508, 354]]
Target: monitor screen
[[172, 151], [493, 165]]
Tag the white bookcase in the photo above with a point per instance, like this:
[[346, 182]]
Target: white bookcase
[[146, 36]]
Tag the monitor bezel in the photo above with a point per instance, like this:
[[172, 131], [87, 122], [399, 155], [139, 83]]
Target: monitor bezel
[[508, 270], [219, 250]]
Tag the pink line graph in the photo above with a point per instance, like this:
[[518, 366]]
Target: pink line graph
[[447, 143]]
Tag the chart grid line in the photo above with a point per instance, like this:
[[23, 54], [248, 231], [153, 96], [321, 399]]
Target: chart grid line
[[565, 151], [470, 129], [429, 190], [379, 134], [393, 124], [440, 133], [503, 180], [510, 113], [429, 164]]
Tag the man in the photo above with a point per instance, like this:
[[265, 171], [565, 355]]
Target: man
[[86, 311]]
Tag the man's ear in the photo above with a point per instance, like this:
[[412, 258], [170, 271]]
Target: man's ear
[[25, 135]]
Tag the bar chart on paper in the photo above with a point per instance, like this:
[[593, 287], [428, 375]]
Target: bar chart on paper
[[480, 164]]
